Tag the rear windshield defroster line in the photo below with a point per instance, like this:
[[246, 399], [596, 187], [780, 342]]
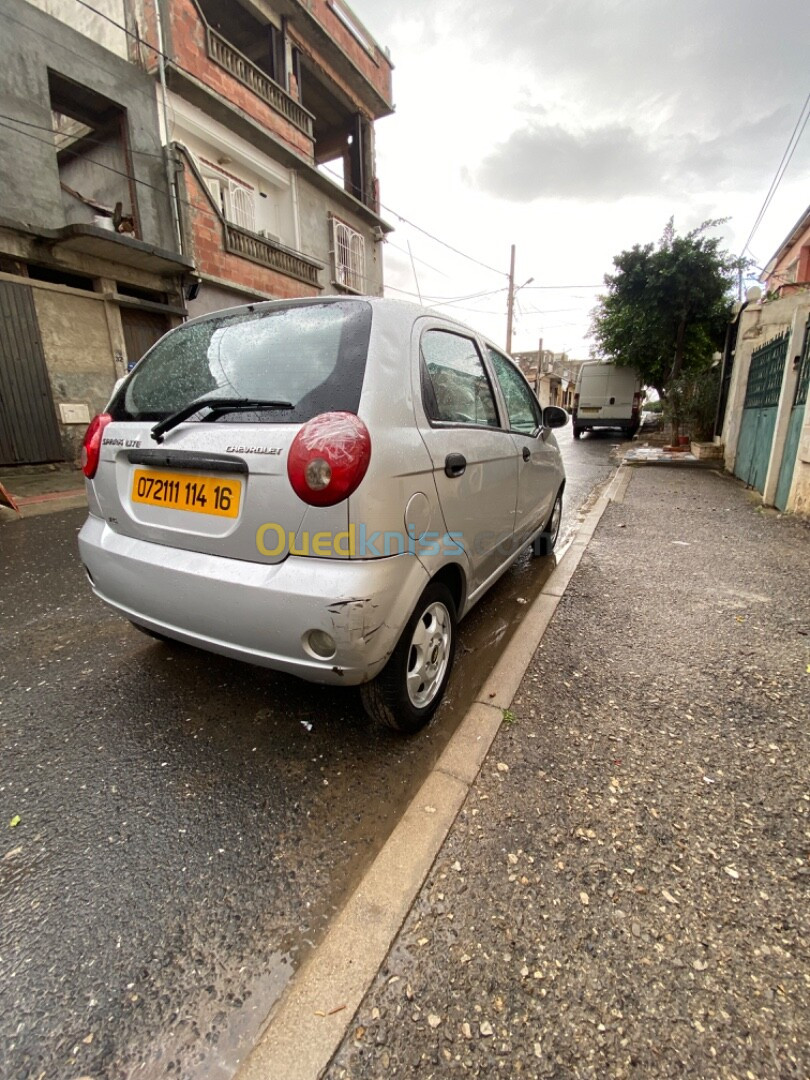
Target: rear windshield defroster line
[[310, 354]]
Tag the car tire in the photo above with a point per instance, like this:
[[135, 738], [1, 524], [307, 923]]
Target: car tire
[[577, 432], [546, 541], [409, 688]]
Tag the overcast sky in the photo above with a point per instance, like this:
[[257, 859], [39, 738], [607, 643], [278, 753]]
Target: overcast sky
[[574, 129]]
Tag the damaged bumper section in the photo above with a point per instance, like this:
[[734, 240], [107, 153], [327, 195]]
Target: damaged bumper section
[[260, 613]]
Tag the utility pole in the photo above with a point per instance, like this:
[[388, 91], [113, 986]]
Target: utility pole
[[539, 368], [510, 306], [510, 303]]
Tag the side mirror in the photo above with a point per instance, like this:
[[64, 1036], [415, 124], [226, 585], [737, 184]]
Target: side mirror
[[554, 417]]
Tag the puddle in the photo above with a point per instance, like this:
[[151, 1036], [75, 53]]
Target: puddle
[[183, 1052]]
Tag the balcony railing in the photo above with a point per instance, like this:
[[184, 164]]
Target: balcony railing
[[251, 76], [266, 252]]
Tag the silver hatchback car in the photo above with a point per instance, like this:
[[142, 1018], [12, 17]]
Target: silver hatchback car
[[324, 487]]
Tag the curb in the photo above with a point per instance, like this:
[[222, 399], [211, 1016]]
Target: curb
[[50, 503], [309, 1021]]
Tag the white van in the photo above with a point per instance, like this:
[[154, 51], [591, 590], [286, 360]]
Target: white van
[[609, 396]]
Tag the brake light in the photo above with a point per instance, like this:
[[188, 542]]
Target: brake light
[[576, 405], [91, 447], [636, 402], [328, 458]]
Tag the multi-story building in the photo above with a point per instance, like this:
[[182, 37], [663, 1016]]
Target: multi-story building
[[788, 270], [261, 97], [164, 158], [553, 376], [90, 273]]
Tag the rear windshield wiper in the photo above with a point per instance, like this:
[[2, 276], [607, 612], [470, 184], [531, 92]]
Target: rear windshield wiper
[[216, 405]]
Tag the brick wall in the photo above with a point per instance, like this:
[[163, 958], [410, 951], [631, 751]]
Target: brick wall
[[211, 258], [376, 68], [190, 53]]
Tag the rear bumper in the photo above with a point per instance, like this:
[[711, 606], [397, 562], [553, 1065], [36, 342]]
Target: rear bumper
[[607, 421], [257, 612]]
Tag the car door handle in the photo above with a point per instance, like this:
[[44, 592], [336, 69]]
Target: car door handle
[[455, 464], [526, 453]]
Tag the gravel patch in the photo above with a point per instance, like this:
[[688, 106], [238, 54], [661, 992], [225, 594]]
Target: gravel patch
[[625, 892]]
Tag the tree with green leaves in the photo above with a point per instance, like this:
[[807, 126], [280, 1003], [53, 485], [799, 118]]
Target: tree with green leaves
[[667, 306]]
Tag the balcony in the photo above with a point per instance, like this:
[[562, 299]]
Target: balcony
[[260, 249], [251, 76]]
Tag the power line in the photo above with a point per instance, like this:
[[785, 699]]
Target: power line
[[422, 261], [444, 243], [444, 300], [79, 138], [434, 301], [413, 225], [789, 151], [438, 301], [90, 161], [101, 165], [529, 288]]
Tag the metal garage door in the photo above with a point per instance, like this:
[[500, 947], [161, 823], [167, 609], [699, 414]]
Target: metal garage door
[[141, 330], [29, 431], [759, 411]]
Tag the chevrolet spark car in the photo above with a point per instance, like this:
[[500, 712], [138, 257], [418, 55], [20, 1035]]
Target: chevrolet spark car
[[323, 487]]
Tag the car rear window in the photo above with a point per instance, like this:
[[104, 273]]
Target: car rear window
[[310, 354]]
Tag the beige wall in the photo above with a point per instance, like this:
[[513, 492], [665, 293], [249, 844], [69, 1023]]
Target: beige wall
[[93, 25], [79, 353], [799, 498]]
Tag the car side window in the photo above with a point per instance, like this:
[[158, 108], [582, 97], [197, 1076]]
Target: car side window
[[521, 404], [455, 385]]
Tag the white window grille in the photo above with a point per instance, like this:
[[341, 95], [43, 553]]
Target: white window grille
[[241, 207], [215, 188], [234, 200], [349, 255]]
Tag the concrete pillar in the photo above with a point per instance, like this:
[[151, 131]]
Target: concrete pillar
[[785, 403], [798, 501], [118, 347], [748, 338]]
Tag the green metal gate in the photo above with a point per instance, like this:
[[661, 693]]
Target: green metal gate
[[795, 425], [759, 411]]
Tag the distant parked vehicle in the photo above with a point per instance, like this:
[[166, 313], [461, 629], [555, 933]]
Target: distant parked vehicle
[[607, 396]]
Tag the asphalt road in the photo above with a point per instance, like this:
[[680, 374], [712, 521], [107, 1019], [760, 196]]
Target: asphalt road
[[187, 824]]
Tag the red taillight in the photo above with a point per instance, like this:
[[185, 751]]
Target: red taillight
[[636, 402], [91, 447], [576, 404], [328, 458]]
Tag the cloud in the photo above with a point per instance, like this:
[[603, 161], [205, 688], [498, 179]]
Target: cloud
[[606, 163], [699, 66], [615, 161]]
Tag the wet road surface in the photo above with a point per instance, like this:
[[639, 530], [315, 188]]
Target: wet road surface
[[187, 824]]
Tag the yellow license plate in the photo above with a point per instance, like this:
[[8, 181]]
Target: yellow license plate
[[219, 495], [590, 409]]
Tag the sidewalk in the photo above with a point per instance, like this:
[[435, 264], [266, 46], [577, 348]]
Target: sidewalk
[[625, 890], [41, 489]]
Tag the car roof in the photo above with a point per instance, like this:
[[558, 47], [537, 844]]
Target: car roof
[[396, 309]]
